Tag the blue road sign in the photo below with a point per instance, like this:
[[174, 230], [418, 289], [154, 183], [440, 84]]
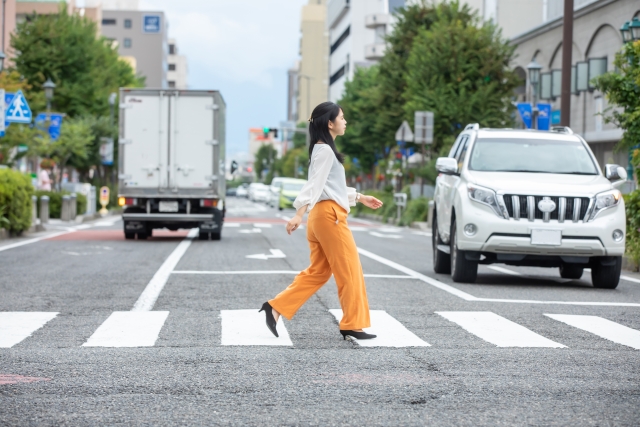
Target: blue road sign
[[18, 111], [151, 23], [544, 116], [55, 122], [524, 108]]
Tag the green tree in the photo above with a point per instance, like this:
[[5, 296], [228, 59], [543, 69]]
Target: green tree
[[360, 104], [265, 159], [460, 70], [622, 88], [21, 140], [286, 166], [65, 47], [73, 143]]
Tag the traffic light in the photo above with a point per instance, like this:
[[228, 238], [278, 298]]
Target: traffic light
[[234, 166], [266, 132]]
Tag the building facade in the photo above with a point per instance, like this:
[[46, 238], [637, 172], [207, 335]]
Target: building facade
[[596, 39], [292, 92], [177, 70], [312, 72], [141, 37]]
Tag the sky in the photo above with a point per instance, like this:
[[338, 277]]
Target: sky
[[242, 48]]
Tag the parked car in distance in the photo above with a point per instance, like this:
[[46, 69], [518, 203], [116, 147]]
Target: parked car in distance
[[528, 198], [258, 192], [232, 191], [275, 187], [290, 190], [242, 191]]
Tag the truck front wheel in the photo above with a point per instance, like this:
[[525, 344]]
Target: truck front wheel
[[605, 272], [462, 269]]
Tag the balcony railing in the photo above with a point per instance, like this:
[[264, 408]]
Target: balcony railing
[[374, 51], [377, 20]]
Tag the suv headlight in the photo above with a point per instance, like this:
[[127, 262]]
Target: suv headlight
[[486, 196], [604, 201]]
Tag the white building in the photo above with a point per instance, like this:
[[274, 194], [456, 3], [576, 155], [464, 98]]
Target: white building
[[356, 37], [177, 67]]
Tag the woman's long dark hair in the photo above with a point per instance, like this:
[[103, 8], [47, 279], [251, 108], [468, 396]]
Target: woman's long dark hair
[[319, 127]]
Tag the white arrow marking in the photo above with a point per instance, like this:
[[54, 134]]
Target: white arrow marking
[[275, 253], [253, 230], [387, 236]]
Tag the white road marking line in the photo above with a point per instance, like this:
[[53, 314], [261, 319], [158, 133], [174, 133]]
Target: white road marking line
[[363, 221], [497, 330], [390, 332], [422, 233], [468, 297], [205, 272], [104, 223], [630, 279], [128, 329], [601, 327], [34, 240], [412, 273], [504, 270], [251, 231], [262, 225], [385, 236], [231, 225], [358, 228], [150, 294], [286, 218], [390, 229], [275, 253], [247, 327], [15, 326]]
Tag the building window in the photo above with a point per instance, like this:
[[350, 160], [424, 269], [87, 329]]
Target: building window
[[172, 67], [172, 49], [597, 67], [127, 23], [171, 83], [341, 39], [336, 76], [108, 22], [127, 42]]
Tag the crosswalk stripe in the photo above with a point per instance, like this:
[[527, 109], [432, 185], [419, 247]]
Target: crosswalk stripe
[[497, 330], [390, 332], [15, 326], [601, 327], [128, 329], [247, 327]]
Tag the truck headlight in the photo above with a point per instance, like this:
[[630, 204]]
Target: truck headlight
[[604, 201], [486, 196]]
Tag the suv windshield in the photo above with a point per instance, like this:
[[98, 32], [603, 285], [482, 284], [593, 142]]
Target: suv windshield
[[531, 155]]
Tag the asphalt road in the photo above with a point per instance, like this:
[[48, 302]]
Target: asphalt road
[[99, 330]]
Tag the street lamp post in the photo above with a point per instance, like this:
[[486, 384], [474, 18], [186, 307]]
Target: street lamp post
[[534, 77], [48, 87], [2, 56]]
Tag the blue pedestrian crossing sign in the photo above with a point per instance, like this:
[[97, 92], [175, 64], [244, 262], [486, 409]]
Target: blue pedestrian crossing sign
[[18, 111]]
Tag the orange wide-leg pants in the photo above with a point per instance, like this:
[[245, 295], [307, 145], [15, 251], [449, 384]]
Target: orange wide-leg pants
[[333, 251]]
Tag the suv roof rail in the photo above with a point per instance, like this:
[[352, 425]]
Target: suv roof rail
[[472, 126], [562, 129]]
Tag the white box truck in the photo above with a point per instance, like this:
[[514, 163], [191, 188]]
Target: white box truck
[[171, 161]]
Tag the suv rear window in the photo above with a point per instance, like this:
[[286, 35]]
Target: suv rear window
[[531, 155]]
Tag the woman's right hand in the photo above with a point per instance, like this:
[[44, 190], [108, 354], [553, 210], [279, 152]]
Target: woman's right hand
[[293, 224]]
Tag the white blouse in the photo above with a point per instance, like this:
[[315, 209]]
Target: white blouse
[[327, 181]]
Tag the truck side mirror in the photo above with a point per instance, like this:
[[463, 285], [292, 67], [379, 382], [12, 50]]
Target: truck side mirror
[[615, 172], [447, 165]]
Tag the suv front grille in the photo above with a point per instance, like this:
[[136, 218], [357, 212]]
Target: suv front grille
[[526, 207]]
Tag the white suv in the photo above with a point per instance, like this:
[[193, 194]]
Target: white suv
[[527, 198]]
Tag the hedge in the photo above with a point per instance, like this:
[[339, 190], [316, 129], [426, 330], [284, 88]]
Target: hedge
[[15, 200], [55, 202], [416, 210]]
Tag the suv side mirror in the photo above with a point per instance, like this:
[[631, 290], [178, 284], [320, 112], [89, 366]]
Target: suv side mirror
[[615, 172], [447, 165]]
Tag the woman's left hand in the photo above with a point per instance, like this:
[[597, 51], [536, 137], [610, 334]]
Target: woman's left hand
[[370, 202]]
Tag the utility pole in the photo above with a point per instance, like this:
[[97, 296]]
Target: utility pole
[[567, 47]]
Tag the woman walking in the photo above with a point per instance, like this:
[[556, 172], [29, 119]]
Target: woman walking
[[333, 250]]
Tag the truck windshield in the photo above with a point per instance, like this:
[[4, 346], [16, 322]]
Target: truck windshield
[[531, 155]]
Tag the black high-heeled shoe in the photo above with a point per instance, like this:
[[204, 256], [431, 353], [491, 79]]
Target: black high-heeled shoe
[[271, 321], [357, 335]]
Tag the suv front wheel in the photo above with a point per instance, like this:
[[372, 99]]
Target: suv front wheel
[[462, 269], [605, 272], [441, 259]]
